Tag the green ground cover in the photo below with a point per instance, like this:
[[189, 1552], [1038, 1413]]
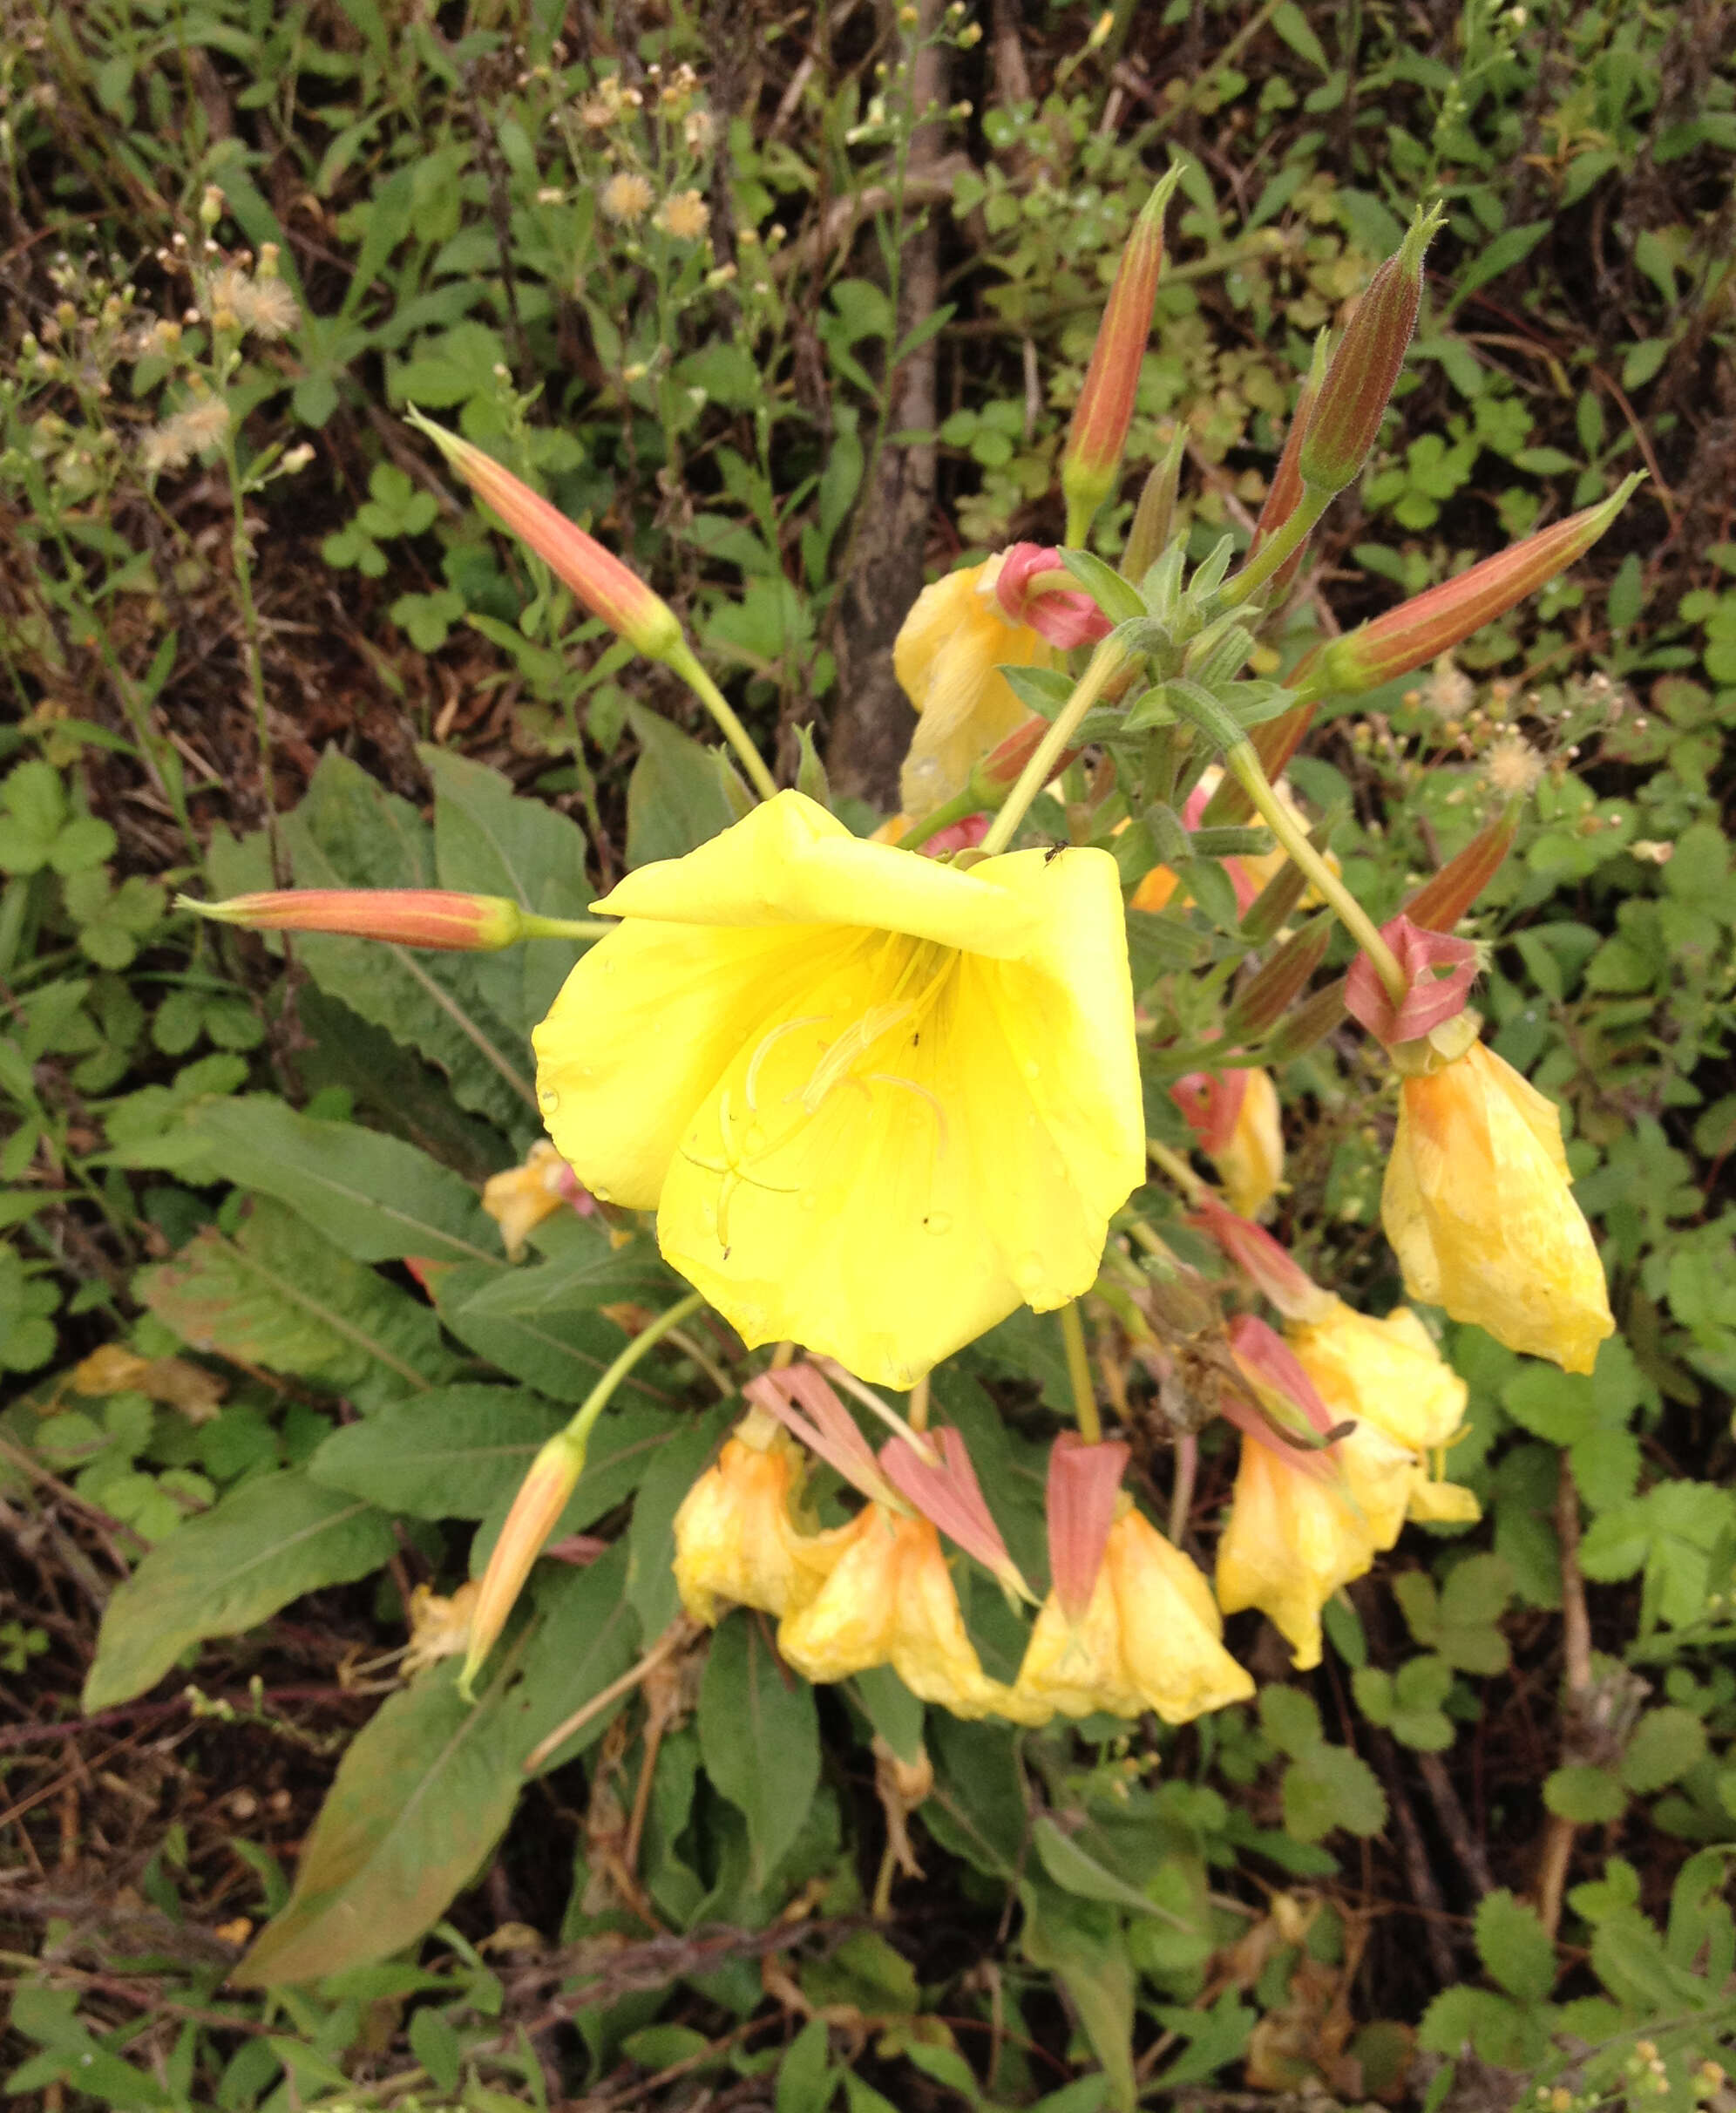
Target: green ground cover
[[792, 309]]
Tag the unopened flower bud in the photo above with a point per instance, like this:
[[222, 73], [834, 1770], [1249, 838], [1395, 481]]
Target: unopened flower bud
[[1352, 399], [541, 1500], [435, 917], [600, 580], [1105, 407], [1430, 624], [1285, 491]]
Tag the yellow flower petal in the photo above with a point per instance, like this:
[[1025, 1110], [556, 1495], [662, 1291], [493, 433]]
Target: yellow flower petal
[[1445, 1504], [1149, 1639], [875, 1139], [735, 1540], [1478, 1209], [1288, 1545], [889, 1600], [947, 656], [1388, 1373]]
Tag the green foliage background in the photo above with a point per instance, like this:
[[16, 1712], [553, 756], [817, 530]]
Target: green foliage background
[[256, 666]]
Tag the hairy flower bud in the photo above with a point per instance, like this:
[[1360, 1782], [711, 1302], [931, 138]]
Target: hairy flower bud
[[1104, 411], [600, 580], [435, 917], [1430, 624], [1285, 492], [541, 1499], [1353, 398]]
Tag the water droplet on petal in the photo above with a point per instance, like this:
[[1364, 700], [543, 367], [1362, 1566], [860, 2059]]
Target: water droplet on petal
[[1033, 1068], [1030, 1275], [587, 1071], [937, 1222], [810, 1199], [548, 1100], [601, 1194]]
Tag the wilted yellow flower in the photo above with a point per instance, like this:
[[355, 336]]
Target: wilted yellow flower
[[1250, 1165], [889, 1600], [947, 657], [877, 1102], [1479, 1210], [735, 1539], [1288, 1545], [520, 1199], [1151, 1638], [684, 215], [627, 197], [1389, 1374], [438, 1628]]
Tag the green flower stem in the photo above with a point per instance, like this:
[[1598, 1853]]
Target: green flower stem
[[1243, 766], [1270, 555], [684, 662], [1079, 1374], [532, 926], [648, 1339], [1081, 513], [958, 809], [1173, 1164], [1105, 662]]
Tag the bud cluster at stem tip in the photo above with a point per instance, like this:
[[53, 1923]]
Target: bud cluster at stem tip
[[1352, 399]]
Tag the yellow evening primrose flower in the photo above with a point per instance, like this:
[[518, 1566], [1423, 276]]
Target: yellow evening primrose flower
[[889, 1600], [1478, 1207], [1149, 1638], [1292, 1540], [947, 657], [1390, 1374], [735, 1541], [877, 1102]]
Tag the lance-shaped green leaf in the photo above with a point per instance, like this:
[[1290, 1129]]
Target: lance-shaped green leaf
[[760, 1735], [281, 1296], [425, 1789], [351, 833], [455, 1453], [266, 1544], [375, 1197]]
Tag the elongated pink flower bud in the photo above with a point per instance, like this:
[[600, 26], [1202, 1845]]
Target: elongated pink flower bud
[[1101, 417], [1354, 398], [1285, 493], [600, 580], [1084, 1491], [1443, 898], [541, 1500], [436, 917], [1428, 624]]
